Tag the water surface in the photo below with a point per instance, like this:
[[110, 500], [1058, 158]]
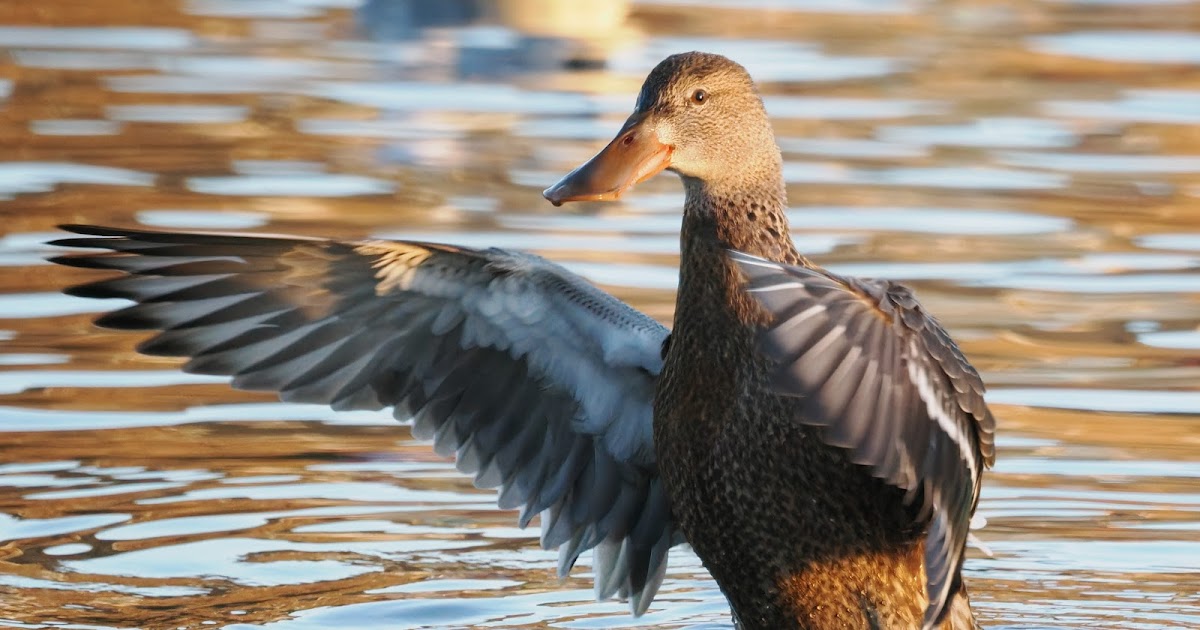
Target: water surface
[[1032, 169]]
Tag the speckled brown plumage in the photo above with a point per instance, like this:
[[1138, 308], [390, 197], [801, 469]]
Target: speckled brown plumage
[[795, 534]]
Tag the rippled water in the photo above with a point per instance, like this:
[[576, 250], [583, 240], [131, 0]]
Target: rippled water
[[1031, 168]]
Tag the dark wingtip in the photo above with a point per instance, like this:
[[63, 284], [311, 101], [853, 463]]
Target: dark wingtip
[[108, 234], [69, 261], [88, 243], [77, 228], [125, 319], [92, 230], [90, 290], [89, 231]]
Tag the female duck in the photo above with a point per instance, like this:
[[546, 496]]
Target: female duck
[[818, 440]]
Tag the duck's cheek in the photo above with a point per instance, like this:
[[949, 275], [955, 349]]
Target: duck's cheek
[[686, 163], [685, 159], [665, 132]]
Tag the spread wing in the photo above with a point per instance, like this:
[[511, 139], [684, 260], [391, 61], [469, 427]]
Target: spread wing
[[538, 382], [884, 381]]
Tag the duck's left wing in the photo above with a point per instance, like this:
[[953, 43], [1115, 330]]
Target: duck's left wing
[[884, 381]]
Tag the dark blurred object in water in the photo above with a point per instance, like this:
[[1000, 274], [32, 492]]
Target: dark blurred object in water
[[503, 38]]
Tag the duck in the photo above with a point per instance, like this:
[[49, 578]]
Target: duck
[[818, 440]]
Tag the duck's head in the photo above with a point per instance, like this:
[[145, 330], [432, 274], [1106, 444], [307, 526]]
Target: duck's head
[[698, 114]]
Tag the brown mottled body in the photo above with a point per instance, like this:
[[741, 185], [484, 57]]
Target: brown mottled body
[[796, 535]]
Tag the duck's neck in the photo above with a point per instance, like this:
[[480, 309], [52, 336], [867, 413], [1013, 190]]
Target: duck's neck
[[748, 216]]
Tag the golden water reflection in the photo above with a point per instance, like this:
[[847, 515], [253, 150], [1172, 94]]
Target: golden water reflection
[[1032, 168]]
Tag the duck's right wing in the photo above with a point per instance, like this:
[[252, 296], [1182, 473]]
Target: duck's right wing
[[536, 380]]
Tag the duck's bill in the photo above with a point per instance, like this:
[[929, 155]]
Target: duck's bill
[[634, 156]]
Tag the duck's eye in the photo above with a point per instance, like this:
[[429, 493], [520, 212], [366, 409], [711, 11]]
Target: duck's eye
[[699, 96]]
